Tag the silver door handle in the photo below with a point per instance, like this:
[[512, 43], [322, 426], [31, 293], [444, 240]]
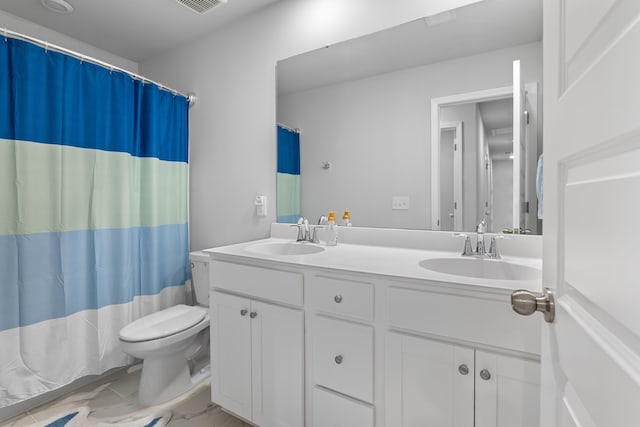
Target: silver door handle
[[526, 303]]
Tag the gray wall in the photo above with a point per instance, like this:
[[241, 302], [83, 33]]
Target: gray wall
[[22, 26], [502, 194], [232, 129], [375, 132]]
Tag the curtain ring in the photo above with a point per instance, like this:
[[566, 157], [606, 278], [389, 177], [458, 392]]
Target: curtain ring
[[81, 59], [46, 47], [5, 35]]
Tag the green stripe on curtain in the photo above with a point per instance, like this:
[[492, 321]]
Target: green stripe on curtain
[[57, 188], [288, 197]]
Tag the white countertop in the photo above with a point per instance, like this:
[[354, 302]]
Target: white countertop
[[391, 262]]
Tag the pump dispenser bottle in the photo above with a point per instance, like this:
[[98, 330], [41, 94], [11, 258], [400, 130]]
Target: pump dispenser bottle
[[346, 219], [332, 230]]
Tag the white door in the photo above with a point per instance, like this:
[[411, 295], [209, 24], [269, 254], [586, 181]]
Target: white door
[[507, 391], [591, 352], [429, 383], [519, 151], [231, 353], [277, 365]]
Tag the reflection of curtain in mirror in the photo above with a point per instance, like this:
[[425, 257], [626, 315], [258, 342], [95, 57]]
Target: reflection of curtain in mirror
[[288, 180]]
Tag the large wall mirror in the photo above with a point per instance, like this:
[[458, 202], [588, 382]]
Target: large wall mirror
[[414, 127]]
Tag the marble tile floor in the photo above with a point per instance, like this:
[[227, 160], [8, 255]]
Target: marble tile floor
[[114, 403]]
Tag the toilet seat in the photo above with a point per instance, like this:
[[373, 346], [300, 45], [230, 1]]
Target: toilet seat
[[164, 323]]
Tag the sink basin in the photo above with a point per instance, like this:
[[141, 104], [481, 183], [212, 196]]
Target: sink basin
[[285, 248], [482, 268]]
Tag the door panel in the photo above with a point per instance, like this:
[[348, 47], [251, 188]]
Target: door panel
[[591, 353], [231, 353], [424, 384], [510, 395], [278, 358], [519, 147]]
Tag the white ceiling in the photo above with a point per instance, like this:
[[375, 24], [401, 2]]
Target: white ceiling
[[133, 29], [480, 27]]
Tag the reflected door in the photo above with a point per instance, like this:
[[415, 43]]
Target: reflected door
[[451, 176]]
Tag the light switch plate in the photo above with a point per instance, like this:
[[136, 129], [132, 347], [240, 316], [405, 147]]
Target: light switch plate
[[261, 206], [400, 203]]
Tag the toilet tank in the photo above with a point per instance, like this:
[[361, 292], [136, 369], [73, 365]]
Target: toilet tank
[[200, 277]]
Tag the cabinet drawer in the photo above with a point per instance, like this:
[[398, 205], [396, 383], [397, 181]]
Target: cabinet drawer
[[343, 297], [472, 319], [333, 410], [272, 285], [343, 357]]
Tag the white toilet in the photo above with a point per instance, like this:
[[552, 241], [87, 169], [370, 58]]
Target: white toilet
[[173, 343]]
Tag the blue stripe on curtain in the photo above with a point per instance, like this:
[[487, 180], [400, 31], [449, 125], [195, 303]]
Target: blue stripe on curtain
[[53, 275], [46, 97], [288, 151]]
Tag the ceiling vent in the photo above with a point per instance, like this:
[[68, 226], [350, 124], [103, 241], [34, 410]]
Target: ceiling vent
[[201, 6]]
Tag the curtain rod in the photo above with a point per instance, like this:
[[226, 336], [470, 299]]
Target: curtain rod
[[296, 130], [191, 98]]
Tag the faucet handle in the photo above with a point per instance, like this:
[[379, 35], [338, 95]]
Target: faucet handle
[[467, 244], [313, 238], [300, 226], [493, 248]]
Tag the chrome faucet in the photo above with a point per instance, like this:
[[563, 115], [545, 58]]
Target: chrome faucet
[[480, 249], [306, 232], [480, 229]]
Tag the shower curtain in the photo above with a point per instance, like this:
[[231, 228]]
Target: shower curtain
[[288, 176], [93, 214]]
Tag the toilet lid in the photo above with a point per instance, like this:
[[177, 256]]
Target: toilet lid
[[163, 323]]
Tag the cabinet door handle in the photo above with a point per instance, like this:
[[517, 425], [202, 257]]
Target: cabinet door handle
[[253, 314], [485, 375], [338, 299], [243, 312], [338, 359], [463, 369]]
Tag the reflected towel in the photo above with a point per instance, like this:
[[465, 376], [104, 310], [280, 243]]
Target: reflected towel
[[539, 176]]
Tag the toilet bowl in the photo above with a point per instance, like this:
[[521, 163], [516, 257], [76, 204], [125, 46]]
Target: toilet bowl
[[173, 343]]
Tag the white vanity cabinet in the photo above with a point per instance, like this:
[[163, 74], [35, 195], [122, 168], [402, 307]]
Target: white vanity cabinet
[[342, 359], [257, 347], [442, 384], [301, 345], [444, 379]]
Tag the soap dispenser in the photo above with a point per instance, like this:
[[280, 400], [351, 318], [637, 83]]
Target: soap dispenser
[[346, 219], [332, 230]]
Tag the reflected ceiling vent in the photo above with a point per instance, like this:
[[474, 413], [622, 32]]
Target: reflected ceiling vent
[[201, 6], [440, 18], [501, 131]]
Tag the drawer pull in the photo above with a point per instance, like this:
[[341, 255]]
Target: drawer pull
[[338, 359], [243, 312], [338, 299], [463, 369], [253, 314], [485, 375]]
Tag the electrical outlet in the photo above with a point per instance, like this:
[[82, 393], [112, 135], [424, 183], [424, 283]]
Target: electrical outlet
[[400, 203]]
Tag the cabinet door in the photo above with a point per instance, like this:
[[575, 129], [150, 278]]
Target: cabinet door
[[507, 391], [278, 365], [231, 353], [429, 383]]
